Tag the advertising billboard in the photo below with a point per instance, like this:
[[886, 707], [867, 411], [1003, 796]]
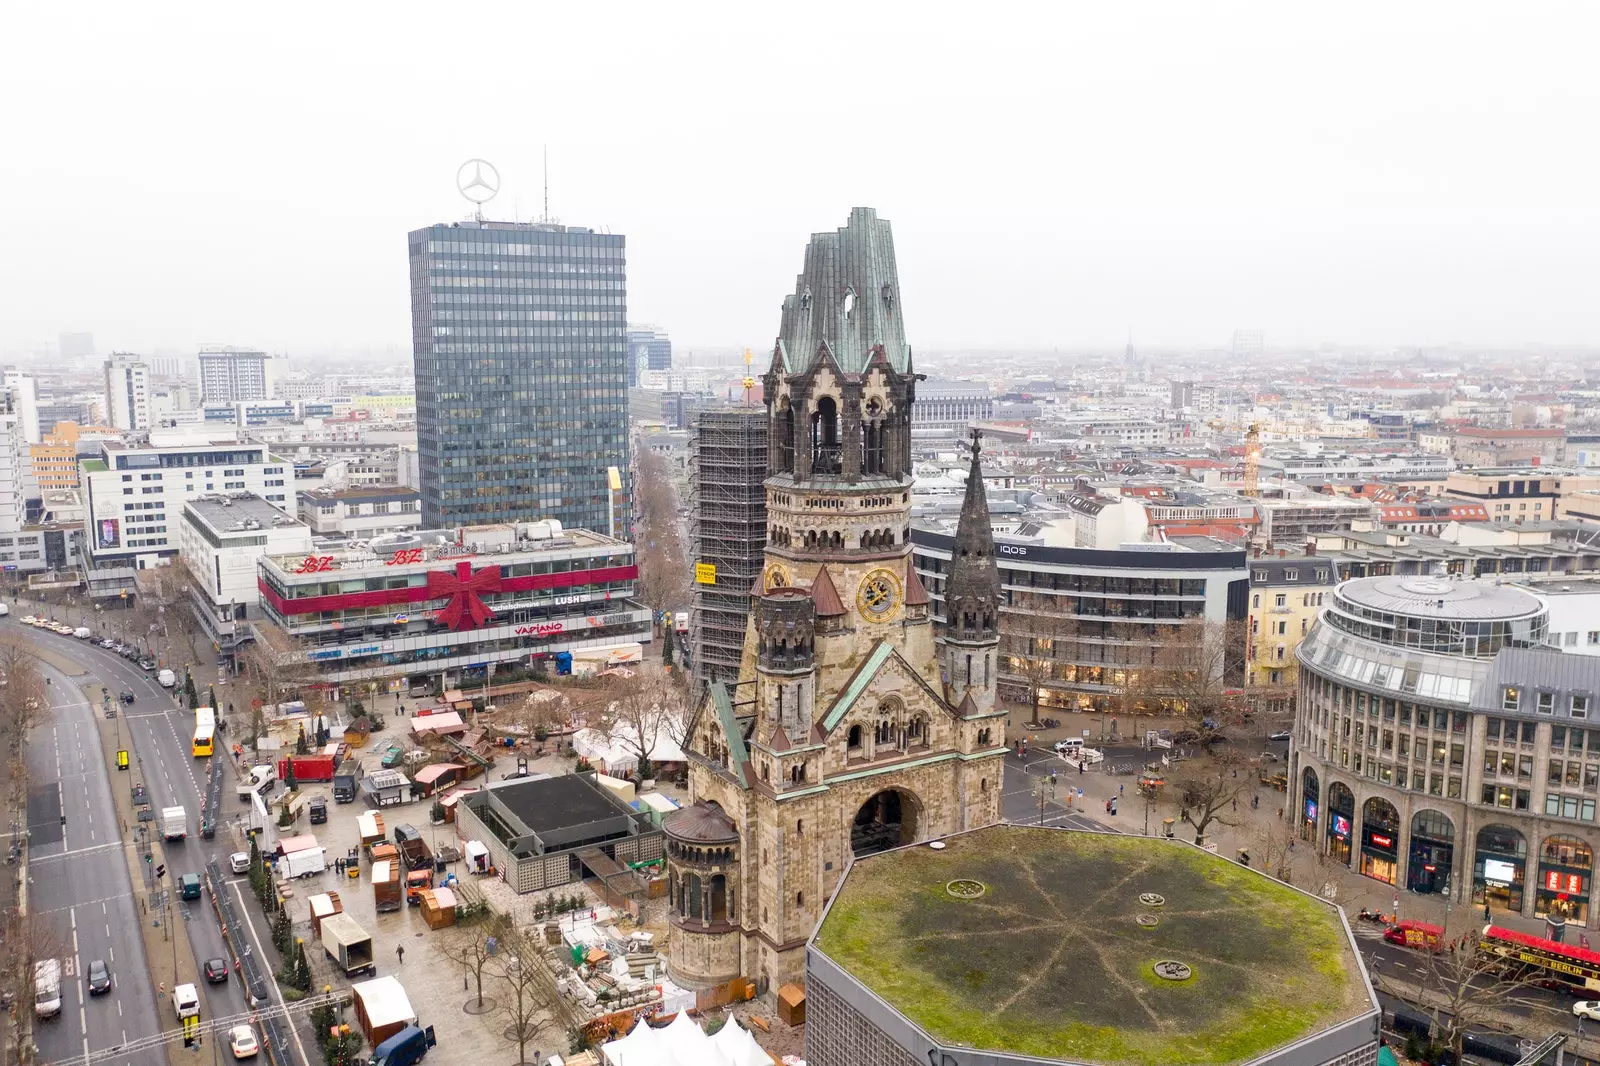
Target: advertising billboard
[[110, 533]]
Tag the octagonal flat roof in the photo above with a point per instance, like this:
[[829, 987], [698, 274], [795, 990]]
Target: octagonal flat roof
[[1440, 597], [1056, 957]]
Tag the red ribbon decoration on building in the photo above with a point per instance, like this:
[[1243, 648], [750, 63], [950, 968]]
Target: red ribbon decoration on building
[[465, 610]]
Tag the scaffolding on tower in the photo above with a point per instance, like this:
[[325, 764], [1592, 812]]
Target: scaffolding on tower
[[728, 532]]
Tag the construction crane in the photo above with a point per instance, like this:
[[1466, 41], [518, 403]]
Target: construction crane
[[1252, 453]]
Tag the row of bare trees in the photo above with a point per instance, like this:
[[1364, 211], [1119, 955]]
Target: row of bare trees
[[25, 937], [663, 565], [522, 991]]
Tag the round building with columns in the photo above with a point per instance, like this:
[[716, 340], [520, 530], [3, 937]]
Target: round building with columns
[[1442, 748]]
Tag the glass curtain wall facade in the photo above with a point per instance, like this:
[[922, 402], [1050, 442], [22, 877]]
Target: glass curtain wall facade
[[519, 334]]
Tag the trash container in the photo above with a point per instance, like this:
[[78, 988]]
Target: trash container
[[1167, 826]]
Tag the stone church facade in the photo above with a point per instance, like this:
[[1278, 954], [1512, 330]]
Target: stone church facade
[[852, 727]]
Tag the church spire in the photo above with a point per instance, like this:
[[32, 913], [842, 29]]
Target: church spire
[[972, 598], [972, 602]]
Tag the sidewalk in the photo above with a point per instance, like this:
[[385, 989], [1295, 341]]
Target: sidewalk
[[1262, 832]]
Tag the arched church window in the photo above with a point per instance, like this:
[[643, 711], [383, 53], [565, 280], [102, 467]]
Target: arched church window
[[825, 437]]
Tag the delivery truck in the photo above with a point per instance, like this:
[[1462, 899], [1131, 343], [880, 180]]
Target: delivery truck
[[174, 823], [413, 849], [347, 944], [307, 767], [346, 781], [385, 886]]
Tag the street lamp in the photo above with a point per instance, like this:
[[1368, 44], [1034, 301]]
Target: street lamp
[[1044, 789]]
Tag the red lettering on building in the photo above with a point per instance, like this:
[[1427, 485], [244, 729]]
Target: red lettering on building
[[315, 564], [405, 556], [542, 629]]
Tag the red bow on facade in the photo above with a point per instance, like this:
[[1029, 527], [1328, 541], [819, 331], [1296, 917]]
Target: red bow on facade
[[465, 610]]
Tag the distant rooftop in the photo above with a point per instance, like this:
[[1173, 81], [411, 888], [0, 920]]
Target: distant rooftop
[[238, 512]]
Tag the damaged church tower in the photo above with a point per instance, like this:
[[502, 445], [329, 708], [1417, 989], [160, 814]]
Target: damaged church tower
[[843, 736]]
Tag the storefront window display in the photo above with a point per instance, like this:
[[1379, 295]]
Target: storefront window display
[[1566, 867], [1341, 818], [1380, 841], [1310, 797], [1432, 852], [1499, 868]]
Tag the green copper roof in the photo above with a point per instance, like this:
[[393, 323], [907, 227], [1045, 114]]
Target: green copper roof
[[858, 684], [737, 754]]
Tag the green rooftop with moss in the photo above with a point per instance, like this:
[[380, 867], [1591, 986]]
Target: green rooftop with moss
[[1093, 948]]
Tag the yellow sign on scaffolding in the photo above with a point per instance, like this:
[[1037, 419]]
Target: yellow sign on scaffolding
[[705, 573]]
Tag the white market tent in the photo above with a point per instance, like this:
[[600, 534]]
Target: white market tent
[[618, 757], [738, 1046], [684, 1043]]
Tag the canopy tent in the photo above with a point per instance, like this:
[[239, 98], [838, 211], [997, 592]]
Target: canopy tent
[[738, 1046], [615, 751], [682, 1043]]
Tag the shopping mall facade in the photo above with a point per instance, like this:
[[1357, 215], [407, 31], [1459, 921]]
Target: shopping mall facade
[[1440, 747]]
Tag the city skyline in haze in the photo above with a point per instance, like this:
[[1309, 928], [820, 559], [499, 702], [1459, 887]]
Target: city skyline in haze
[[1402, 177]]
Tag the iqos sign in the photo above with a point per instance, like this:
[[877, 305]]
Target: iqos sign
[[1011, 549]]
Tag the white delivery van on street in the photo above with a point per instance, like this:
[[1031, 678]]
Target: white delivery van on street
[[167, 678], [185, 1001]]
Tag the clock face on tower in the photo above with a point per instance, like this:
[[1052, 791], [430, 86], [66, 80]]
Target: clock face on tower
[[878, 595], [775, 578]]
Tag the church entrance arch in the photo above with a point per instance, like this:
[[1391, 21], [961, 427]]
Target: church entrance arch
[[886, 820]]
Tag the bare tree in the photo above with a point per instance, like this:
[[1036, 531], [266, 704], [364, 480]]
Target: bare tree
[[1038, 638], [274, 670], [1273, 849], [1209, 789], [469, 948], [663, 567], [533, 998], [1198, 670], [1472, 985], [640, 714]]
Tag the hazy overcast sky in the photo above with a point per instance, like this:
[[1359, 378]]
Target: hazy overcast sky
[[1056, 173]]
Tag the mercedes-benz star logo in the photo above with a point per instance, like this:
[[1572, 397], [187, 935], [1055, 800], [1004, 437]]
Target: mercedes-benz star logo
[[478, 180]]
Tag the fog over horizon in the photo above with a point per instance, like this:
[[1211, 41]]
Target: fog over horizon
[[1370, 175]]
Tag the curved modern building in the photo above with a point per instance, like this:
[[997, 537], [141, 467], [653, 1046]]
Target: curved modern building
[[1440, 747]]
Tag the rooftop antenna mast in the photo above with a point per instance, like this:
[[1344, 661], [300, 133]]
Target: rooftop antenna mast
[[546, 216]]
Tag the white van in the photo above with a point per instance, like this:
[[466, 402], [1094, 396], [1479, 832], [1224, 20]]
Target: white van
[[1071, 748], [167, 678], [82, 633], [47, 988], [185, 1001], [4, 610]]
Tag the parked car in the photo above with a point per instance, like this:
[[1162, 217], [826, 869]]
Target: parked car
[[1269, 756], [147, 663], [216, 970], [1282, 734], [239, 862], [1587, 1008], [99, 977]]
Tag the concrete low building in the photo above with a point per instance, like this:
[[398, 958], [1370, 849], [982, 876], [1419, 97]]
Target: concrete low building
[[547, 832], [1028, 945], [1439, 746], [220, 541]]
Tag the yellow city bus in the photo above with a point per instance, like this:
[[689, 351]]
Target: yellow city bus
[[205, 731]]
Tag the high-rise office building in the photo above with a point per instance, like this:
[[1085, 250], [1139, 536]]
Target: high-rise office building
[[127, 391], [230, 374], [519, 335], [25, 401], [648, 349]]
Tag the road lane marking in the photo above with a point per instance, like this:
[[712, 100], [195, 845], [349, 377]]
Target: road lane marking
[[78, 851], [294, 1030]]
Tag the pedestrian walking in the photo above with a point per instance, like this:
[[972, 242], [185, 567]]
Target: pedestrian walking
[[1255, 802], [1119, 789], [1236, 803], [1052, 777], [1081, 761], [400, 953]]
